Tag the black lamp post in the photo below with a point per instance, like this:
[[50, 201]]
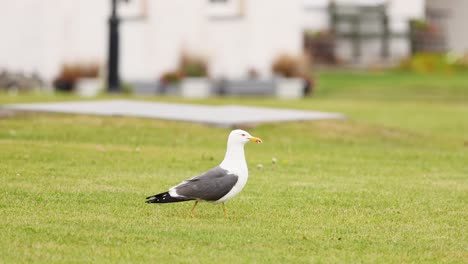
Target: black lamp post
[[113, 79]]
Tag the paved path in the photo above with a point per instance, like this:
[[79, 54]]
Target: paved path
[[223, 116]]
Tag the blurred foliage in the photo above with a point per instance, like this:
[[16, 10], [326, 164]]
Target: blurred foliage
[[70, 73], [192, 66], [320, 34], [290, 66], [171, 77], [435, 63], [127, 88], [320, 45], [421, 24]]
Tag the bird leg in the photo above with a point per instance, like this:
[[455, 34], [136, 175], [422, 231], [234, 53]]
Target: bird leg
[[225, 211], [193, 209]]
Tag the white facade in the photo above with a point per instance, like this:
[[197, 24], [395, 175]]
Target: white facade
[[453, 22], [234, 36], [41, 35]]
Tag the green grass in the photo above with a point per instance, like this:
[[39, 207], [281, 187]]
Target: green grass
[[389, 185]]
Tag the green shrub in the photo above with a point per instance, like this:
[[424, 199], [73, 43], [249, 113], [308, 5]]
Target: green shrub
[[435, 63], [193, 66]]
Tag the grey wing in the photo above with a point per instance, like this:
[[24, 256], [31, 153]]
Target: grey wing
[[209, 186]]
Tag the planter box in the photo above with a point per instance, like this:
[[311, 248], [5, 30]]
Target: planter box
[[172, 89], [290, 88], [195, 87], [88, 87], [249, 88], [143, 87]]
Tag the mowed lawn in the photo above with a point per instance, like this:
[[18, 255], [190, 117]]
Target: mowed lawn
[[387, 185]]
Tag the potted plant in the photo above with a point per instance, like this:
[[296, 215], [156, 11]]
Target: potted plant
[[169, 83], [195, 82], [290, 72], [81, 78], [88, 83], [66, 79]]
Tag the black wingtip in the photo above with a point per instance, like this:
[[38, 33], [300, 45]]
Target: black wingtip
[[165, 197], [152, 199]]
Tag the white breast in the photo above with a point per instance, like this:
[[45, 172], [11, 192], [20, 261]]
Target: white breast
[[243, 175]]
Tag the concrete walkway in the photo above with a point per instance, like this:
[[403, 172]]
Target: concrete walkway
[[222, 116]]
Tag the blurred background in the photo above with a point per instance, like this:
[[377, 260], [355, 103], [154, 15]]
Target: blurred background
[[389, 184], [238, 47]]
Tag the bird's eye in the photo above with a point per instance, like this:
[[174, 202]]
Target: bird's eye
[[243, 135]]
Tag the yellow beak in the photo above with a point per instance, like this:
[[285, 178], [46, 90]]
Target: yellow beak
[[255, 139]]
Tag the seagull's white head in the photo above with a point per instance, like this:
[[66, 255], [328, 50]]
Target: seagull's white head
[[241, 137]]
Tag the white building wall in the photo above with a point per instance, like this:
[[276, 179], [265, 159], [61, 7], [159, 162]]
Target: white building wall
[[39, 36], [42, 35], [254, 40], [232, 44]]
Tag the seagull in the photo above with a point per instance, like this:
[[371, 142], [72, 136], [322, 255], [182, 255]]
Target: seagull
[[218, 185]]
